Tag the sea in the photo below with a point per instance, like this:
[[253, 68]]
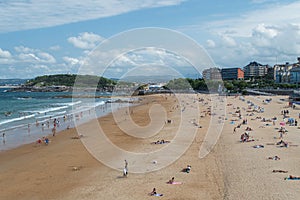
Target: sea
[[28, 116]]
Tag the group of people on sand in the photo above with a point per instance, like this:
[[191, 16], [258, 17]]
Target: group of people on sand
[[282, 130], [44, 140], [171, 181]]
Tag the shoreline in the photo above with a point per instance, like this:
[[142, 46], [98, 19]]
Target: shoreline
[[43, 127], [232, 170], [52, 166]]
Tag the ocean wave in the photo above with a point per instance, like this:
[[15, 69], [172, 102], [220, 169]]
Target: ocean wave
[[67, 104], [47, 110], [24, 98], [16, 119]]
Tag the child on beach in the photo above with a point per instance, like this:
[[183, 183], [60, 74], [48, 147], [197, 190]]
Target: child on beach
[[46, 140]]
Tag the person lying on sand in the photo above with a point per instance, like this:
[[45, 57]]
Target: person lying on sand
[[161, 142], [279, 171], [274, 158], [77, 137], [292, 178]]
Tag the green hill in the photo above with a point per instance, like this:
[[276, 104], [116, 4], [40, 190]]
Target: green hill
[[69, 80]]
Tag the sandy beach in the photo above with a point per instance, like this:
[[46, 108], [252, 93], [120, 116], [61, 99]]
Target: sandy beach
[[65, 169]]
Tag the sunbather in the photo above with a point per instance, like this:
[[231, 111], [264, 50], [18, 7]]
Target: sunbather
[[274, 158], [279, 171], [292, 178], [153, 192], [171, 180]]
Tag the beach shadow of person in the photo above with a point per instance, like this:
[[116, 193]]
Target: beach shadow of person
[[119, 177]]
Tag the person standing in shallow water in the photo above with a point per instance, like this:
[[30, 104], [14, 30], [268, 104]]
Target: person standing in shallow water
[[3, 135]]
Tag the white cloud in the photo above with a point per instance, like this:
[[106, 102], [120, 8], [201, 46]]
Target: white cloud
[[34, 56], [22, 49], [242, 26], [147, 61], [46, 57], [228, 41], [5, 57], [85, 40], [265, 31], [4, 54], [72, 61], [268, 35], [40, 57], [22, 15], [210, 44]]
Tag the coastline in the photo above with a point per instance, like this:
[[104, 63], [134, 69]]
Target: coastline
[[232, 170], [49, 173]]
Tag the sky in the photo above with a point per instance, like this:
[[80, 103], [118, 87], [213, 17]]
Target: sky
[[41, 37]]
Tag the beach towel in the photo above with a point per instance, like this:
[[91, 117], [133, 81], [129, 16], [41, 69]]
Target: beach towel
[[258, 146], [176, 183], [157, 195], [288, 178]]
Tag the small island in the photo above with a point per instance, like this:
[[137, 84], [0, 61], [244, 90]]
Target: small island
[[65, 83]]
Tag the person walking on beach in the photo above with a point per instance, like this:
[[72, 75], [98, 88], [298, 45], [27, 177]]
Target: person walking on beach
[[126, 164], [3, 135], [125, 170], [53, 131], [28, 128]]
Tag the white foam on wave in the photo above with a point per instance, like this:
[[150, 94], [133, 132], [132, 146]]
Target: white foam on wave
[[68, 104], [16, 119], [24, 98], [47, 110]]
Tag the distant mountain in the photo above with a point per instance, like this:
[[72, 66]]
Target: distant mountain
[[12, 81]]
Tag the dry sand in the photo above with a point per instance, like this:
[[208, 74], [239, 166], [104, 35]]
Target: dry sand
[[247, 171], [232, 170]]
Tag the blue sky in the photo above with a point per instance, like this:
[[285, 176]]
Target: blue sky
[[40, 37]]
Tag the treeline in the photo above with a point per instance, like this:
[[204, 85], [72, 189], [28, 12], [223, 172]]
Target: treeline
[[232, 86], [70, 80]]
